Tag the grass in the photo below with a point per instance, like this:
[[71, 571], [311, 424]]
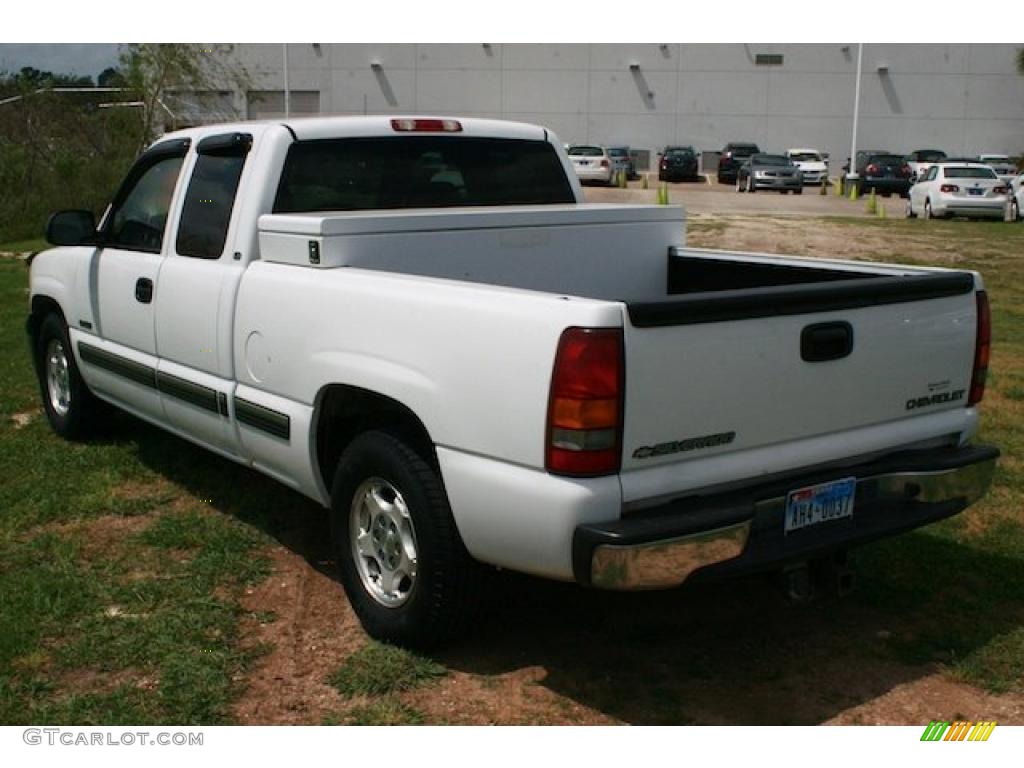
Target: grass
[[24, 246], [379, 669]]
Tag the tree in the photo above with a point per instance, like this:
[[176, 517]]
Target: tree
[[153, 72]]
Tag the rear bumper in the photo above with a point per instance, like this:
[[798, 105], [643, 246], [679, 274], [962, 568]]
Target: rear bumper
[[902, 186], [966, 207], [734, 533]]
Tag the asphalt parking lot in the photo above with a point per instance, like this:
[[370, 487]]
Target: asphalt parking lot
[[707, 197]]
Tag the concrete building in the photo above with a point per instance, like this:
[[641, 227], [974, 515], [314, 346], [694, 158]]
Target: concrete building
[[963, 98]]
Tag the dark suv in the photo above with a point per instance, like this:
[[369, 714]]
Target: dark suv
[[733, 156], [678, 164]]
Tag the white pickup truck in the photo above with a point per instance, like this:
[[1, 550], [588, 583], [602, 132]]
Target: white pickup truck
[[419, 324]]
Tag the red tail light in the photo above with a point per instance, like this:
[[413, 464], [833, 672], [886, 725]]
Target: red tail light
[[871, 168], [905, 170], [949, 188], [420, 125], [1000, 190], [584, 430], [982, 346]]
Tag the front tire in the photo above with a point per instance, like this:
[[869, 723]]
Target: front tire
[[72, 410], [927, 210], [910, 210], [401, 560]]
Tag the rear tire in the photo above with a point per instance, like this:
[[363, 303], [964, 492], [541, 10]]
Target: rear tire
[[73, 411], [798, 191], [401, 561], [750, 184], [1014, 210], [910, 210], [739, 185]]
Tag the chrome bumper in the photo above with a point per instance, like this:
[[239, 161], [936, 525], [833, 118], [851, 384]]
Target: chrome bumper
[[890, 502]]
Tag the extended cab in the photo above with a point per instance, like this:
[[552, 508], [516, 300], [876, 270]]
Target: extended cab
[[419, 324]]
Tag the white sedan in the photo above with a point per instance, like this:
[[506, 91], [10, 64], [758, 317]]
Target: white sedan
[[811, 162], [958, 189], [591, 163]]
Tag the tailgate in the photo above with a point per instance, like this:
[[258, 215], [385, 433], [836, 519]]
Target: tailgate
[[723, 372]]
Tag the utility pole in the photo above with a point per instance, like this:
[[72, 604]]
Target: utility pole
[[852, 174]]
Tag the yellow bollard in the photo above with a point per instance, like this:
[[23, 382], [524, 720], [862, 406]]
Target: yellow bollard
[[824, 188], [643, 181], [853, 191], [881, 211], [872, 204]]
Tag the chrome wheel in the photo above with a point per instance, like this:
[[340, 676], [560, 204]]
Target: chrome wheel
[[383, 542], [58, 377]]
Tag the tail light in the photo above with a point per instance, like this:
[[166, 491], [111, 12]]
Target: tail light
[[428, 125], [982, 346], [664, 163], [1000, 190], [872, 168], [949, 188], [905, 170], [584, 429], [604, 163]]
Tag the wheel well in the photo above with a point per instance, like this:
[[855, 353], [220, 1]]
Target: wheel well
[[345, 412], [41, 307]]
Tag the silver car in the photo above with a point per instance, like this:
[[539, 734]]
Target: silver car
[[777, 172], [958, 189]]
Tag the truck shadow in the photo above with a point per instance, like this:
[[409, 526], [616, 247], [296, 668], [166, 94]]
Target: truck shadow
[[733, 652]]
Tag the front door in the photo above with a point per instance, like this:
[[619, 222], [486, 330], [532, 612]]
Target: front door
[[122, 362]]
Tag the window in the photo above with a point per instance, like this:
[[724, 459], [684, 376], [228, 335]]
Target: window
[[970, 173], [768, 59], [208, 204], [419, 172], [139, 214], [932, 172], [263, 105]]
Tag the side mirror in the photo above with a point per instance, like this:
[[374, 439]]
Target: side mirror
[[71, 228]]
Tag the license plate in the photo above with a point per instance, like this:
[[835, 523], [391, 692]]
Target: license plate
[[820, 503], [583, 162], [975, 191]]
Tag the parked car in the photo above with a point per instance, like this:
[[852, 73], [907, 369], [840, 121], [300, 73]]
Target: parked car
[[733, 156], [886, 174], [592, 163], [493, 382], [921, 159], [812, 164], [1003, 165], [622, 160], [678, 164], [958, 189], [762, 171]]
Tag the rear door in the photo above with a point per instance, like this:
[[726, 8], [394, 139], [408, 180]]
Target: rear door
[[198, 286]]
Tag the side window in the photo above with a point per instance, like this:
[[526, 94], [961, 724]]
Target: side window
[[208, 204], [138, 221], [932, 173]]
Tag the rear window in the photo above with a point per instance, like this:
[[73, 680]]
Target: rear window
[[969, 173], [741, 150], [928, 156], [419, 172], [586, 151], [616, 152], [679, 152], [805, 157], [886, 159]]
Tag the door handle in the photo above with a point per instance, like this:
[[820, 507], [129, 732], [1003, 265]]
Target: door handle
[[144, 290], [826, 341]]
